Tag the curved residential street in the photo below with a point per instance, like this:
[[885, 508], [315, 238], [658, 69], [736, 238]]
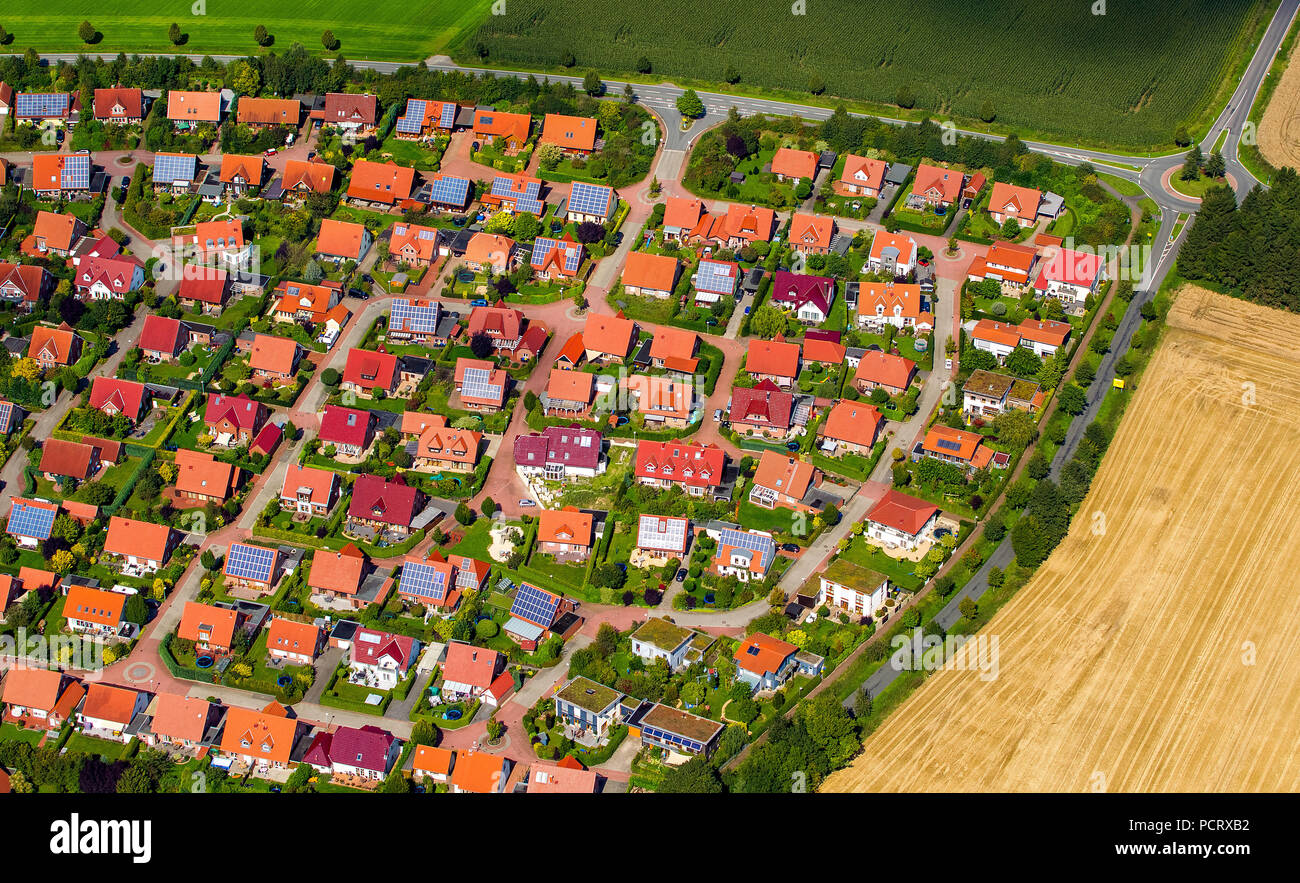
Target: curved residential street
[[144, 668]]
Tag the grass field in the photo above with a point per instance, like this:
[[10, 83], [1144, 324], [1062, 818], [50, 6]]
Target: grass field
[[1152, 650], [397, 31], [1139, 70]]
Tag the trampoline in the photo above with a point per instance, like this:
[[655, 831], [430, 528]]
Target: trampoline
[[204, 662], [283, 681], [453, 714]]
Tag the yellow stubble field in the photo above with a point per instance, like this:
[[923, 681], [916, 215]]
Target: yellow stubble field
[[1158, 648]]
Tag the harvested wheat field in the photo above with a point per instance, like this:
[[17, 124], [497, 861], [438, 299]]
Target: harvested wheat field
[[1124, 661], [1279, 128]]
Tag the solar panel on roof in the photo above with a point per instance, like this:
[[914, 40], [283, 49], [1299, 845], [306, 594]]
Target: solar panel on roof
[[250, 562], [476, 383], [449, 190], [949, 445], [656, 532], [422, 581], [543, 246], [535, 606], [168, 167], [590, 199], [765, 546], [42, 104], [29, 520], [75, 174], [415, 318], [413, 122], [448, 117], [715, 277]]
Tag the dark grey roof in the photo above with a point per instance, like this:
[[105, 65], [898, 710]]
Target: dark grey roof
[[897, 173]]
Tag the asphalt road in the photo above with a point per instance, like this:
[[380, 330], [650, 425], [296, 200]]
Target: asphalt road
[[662, 98]]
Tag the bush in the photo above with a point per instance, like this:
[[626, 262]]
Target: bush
[[486, 629]]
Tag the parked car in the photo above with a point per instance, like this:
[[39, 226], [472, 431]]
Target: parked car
[[271, 151], [681, 575], [527, 503], [717, 415], [790, 547], [478, 302]]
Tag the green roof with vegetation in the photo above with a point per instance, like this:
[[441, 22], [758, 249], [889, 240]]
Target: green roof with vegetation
[[855, 576], [586, 693], [663, 634]]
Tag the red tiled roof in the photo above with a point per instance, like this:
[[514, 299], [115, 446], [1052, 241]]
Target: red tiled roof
[[370, 370], [764, 404], [885, 369], [567, 525], [342, 239], [339, 571], [854, 422], [258, 735], [609, 335], [380, 182], [131, 102], [693, 465], [467, 664], [269, 111], [61, 457], [127, 536], [569, 132], [108, 703], [99, 606], [942, 184], [773, 357], [161, 335], [314, 176], [652, 271], [902, 512], [794, 163], [374, 499], [218, 623], [242, 412], [346, 426], [863, 171], [346, 107], [275, 355], [196, 107], [762, 654], [236, 167]]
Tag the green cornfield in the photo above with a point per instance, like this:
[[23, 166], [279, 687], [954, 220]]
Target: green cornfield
[[1128, 77]]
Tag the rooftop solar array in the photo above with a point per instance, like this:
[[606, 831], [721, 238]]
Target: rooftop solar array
[[590, 199], [948, 444], [419, 580], [250, 562], [449, 190], [406, 315], [413, 121], [42, 105], [477, 383], [544, 245], [764, 545], [535, 605], [658, 532], [168, 167], [30, 519], [447, 118], [530, 200], [75, 173], [715, 277]]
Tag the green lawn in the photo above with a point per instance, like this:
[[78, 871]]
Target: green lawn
[[364, 30], [14, 733], [899, 572], [1194, 189], [90, 745]]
